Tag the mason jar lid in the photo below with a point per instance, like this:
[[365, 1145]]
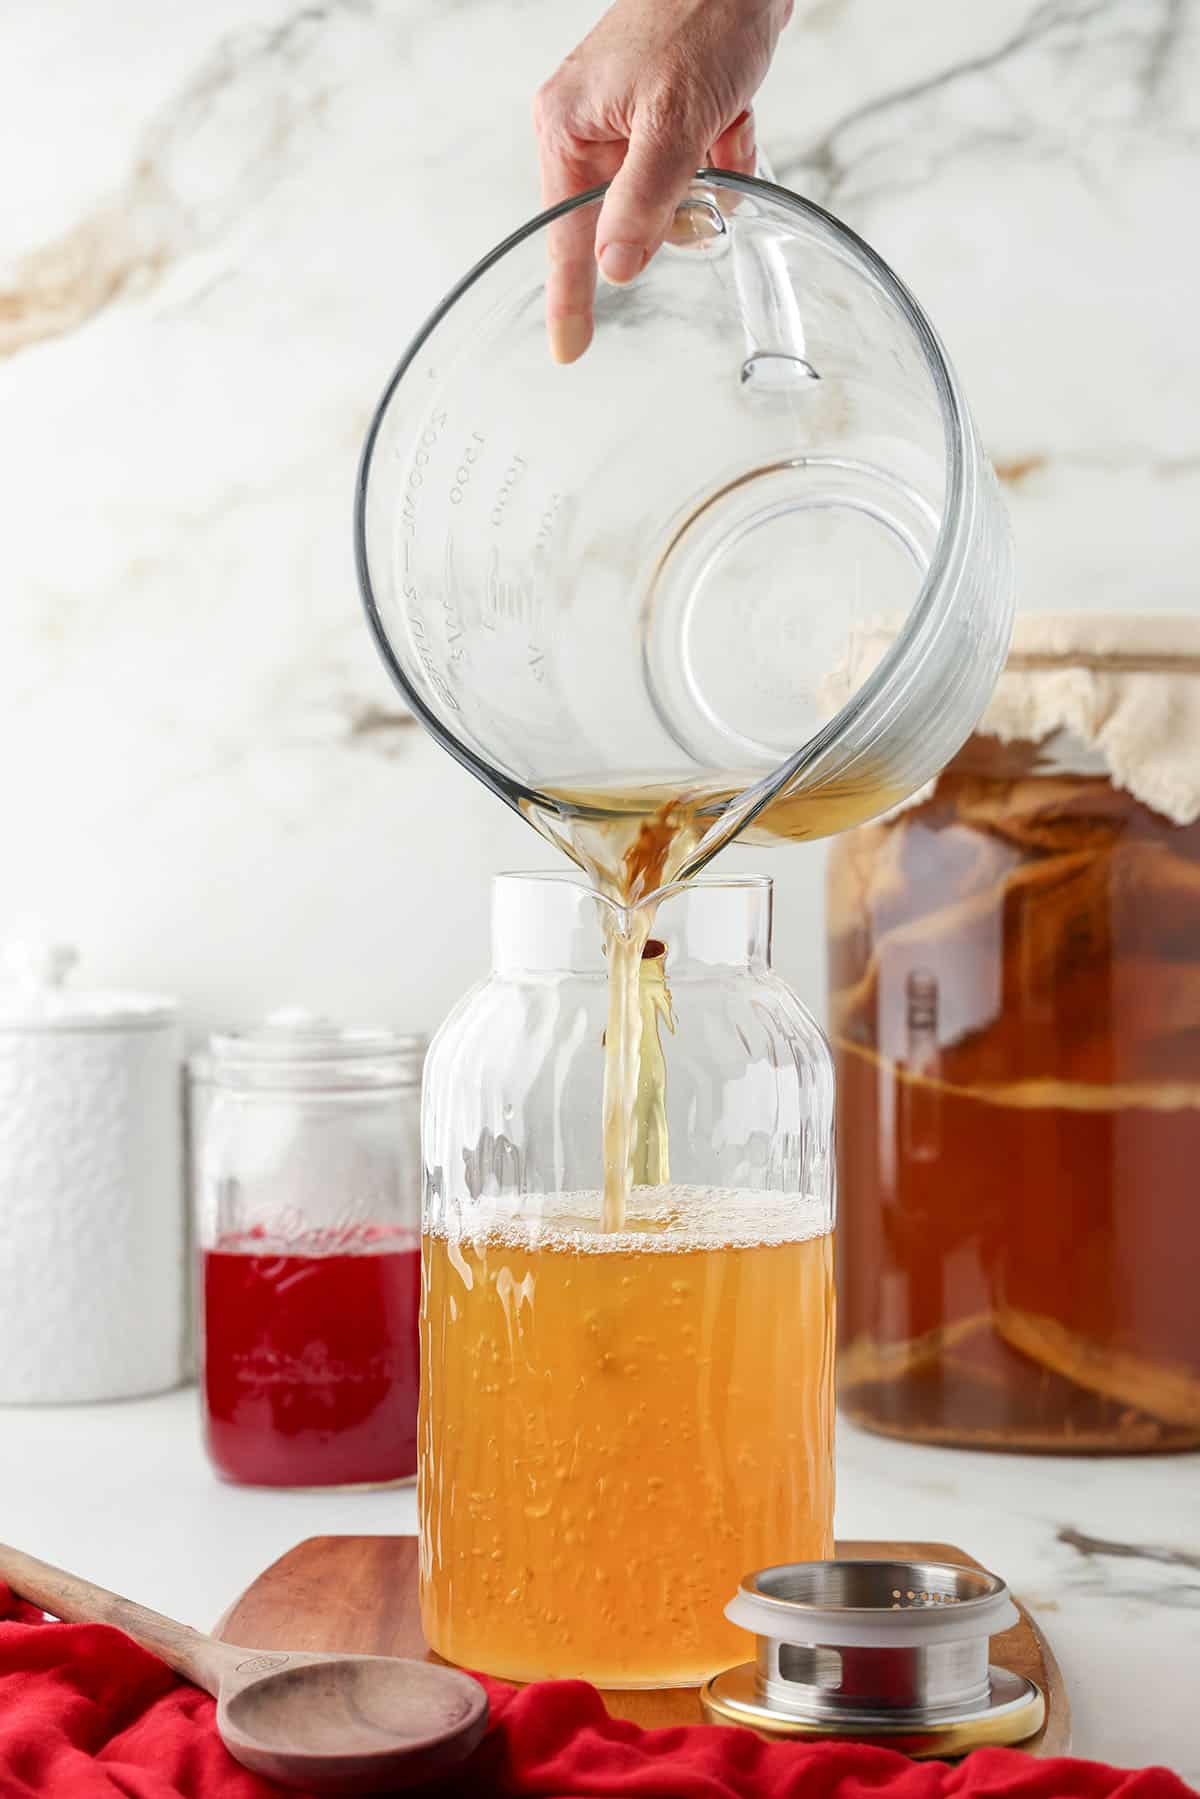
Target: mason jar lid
[[37, 999], [296, 1048]]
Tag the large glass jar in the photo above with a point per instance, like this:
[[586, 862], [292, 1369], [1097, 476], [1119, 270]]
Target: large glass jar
[[1015, 1002], [307, 1171], [615, 1426]]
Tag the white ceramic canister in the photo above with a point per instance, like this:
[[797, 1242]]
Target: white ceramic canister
[[92, 1220]]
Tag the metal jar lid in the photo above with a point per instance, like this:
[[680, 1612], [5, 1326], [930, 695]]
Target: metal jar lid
[[891, 1651]]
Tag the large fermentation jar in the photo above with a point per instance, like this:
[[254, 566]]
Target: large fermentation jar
[[1015, 1001], [616, 1424]]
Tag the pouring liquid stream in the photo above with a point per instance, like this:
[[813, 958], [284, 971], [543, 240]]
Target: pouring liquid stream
[[633, 843]]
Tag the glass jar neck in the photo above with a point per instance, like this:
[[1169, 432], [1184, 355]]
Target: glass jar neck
[[552, 924]]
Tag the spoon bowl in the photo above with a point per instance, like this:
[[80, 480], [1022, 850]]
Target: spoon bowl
[[349, 1723], [326, 1723]]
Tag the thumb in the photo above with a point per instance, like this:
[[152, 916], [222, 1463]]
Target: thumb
[[640, 205]]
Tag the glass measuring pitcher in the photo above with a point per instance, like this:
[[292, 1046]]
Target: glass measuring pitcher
[[633, 589]]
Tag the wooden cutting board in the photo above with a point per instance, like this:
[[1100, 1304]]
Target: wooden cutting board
[[360, 1594]]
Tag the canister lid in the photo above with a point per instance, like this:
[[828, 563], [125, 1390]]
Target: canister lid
[[296, 1047], [35, 997]]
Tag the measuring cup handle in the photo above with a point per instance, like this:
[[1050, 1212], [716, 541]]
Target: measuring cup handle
[[776, 356]]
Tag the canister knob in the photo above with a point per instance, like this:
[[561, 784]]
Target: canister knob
[[37, 964]]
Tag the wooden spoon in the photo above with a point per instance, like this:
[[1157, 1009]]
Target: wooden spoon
[[331, 1723]]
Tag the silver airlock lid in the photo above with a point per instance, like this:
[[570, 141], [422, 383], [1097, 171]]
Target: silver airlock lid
[[889, 1650]]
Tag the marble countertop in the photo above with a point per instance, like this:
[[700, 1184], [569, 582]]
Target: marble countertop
[[1106, 1552]]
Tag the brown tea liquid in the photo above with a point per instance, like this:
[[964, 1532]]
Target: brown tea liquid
[[630, 846], [1015, 1011], [632, 842]]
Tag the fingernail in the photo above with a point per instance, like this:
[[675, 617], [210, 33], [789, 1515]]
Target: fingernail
[[570, 336], [619, 263]]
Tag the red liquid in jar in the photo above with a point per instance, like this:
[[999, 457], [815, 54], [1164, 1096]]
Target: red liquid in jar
[[310, 1360]]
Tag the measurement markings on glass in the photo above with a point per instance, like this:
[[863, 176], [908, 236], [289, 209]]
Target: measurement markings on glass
[[512, 474], [546, 524], [416, 474], [466, 462]]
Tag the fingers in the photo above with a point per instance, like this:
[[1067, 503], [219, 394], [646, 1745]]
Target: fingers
[[571, 280], [570, 166], [662, 157], [649, 178], [737, 146]]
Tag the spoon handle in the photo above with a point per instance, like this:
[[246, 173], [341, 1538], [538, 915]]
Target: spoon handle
[[198, 1658]]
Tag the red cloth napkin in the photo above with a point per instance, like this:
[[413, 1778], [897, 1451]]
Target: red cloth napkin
[[86, 1714]]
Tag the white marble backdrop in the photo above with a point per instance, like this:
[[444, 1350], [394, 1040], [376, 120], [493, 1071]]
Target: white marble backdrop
[[220, 223]]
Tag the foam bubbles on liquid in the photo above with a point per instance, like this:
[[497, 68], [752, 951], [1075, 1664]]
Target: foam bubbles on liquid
[[658, 1220]]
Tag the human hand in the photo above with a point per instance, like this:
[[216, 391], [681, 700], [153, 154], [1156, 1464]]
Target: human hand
[[658, 89]]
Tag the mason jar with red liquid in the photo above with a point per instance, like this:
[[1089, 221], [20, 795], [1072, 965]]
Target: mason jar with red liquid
[[308, 1192]]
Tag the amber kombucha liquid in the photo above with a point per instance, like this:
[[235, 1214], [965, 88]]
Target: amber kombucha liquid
[[616, 1426]]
